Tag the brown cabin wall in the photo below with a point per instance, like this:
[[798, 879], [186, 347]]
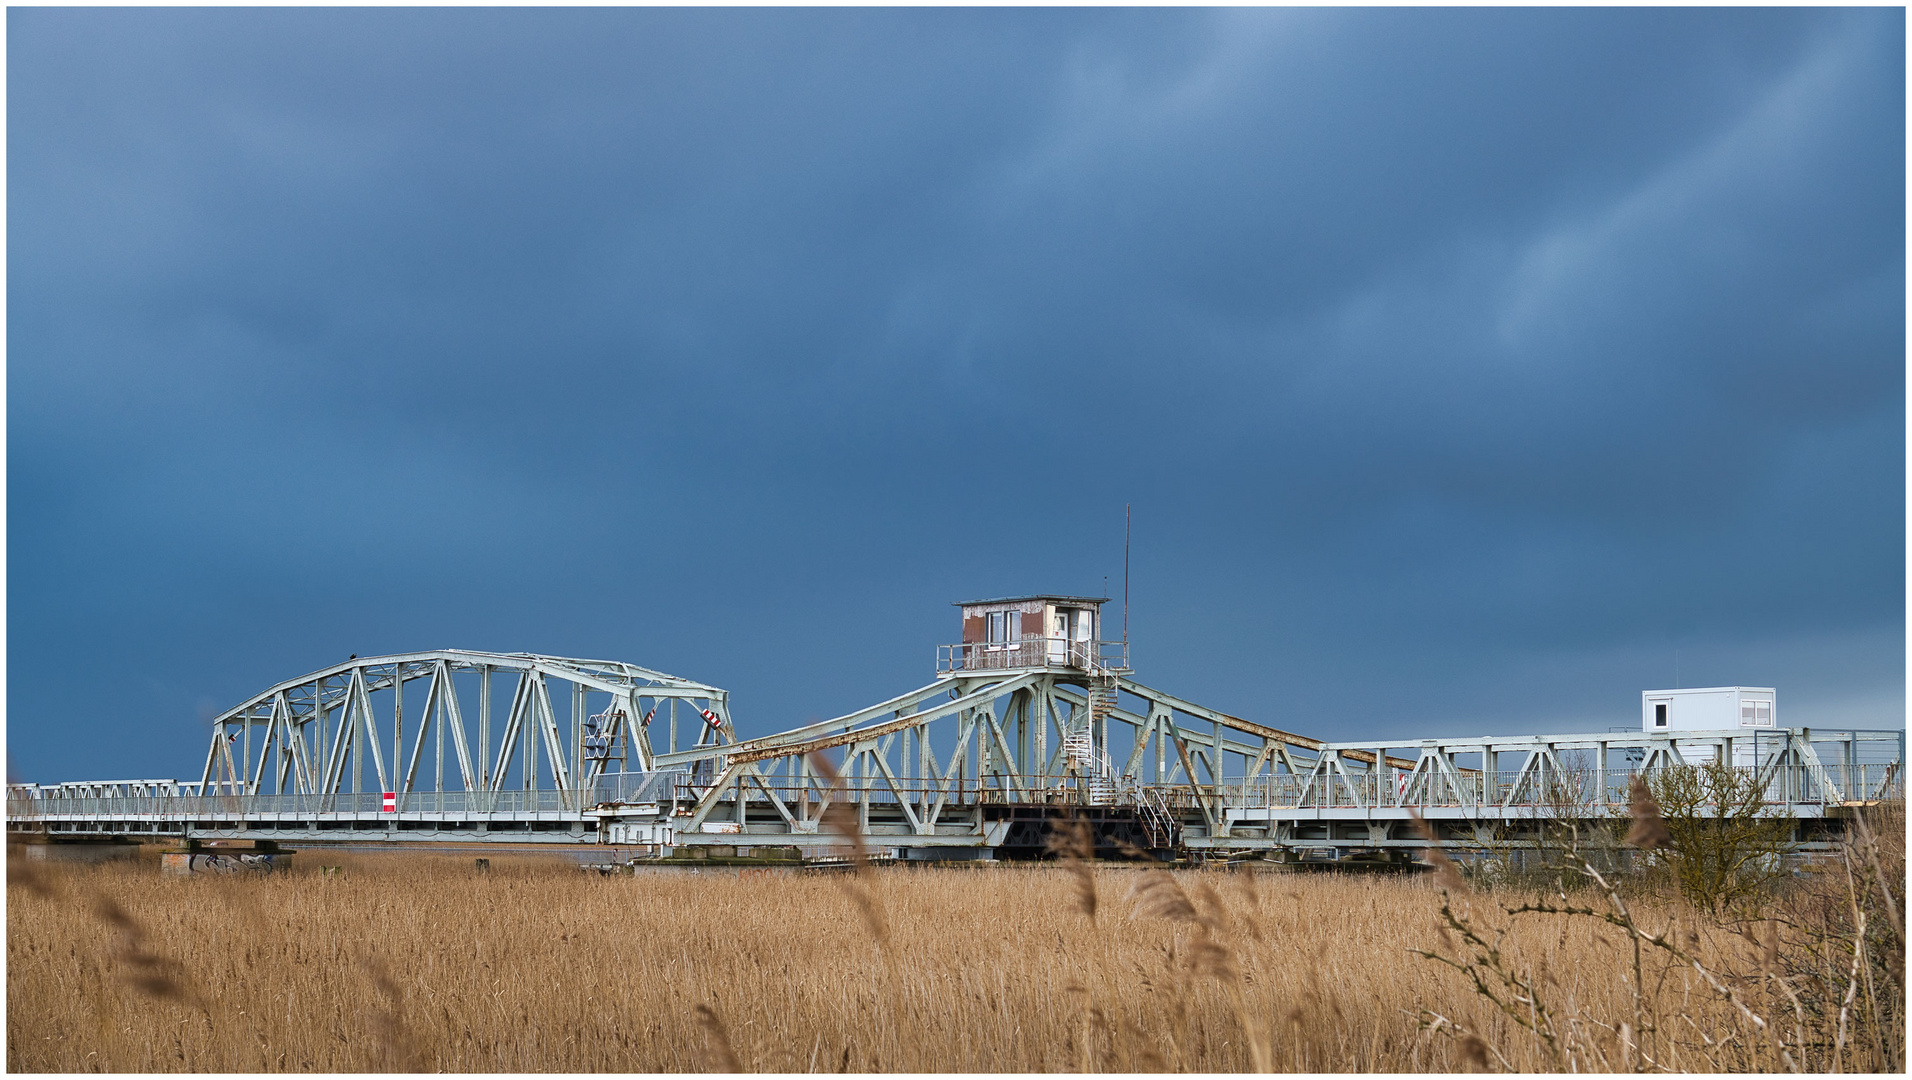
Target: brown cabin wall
[[1037, 616], [975, 626]]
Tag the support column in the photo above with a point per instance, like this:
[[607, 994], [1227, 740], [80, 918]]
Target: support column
[[862, 792], [1025, 712], [1161, 745], [398, 722], [577, 745], [1600, 775], [357, 724], [528, 753], [484, 730], [1217, 774], [803, 788], [924, 767], [438, 726]]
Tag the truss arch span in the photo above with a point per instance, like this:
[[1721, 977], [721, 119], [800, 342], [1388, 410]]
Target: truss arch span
[[459, 720]]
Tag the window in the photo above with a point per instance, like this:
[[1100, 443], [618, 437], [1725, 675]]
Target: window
[[1004, 626], [1754, 713], [1659, 714]]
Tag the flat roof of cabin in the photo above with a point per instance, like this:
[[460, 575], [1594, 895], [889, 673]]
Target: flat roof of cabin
[[1035, 596]]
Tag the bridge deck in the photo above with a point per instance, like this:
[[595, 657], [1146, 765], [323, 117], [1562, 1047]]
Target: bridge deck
[[1279, 811]]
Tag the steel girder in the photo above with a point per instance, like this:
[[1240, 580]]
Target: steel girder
[[1024, 735], [928, 761]]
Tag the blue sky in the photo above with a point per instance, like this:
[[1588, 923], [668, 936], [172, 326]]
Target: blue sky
[[1468, 371]]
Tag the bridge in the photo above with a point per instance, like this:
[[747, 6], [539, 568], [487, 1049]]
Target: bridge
[[1016, 732]]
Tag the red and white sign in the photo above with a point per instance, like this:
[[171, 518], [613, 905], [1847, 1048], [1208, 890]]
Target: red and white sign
[[391, 802], [711, 718]]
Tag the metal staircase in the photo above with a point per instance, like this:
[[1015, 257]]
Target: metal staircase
[[1103, 687], [1103, 781], [1163, 830], [1092, 764]]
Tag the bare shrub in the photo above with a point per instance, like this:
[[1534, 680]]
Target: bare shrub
[[1813, 983], [1710, 827]]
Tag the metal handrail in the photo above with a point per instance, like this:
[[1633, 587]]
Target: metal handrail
[[1784, 785], [361, 803], [1033, 652], [1570, 791]]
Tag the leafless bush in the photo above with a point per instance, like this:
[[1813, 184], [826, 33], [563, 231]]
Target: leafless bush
[[1814, 984], [1711, 829]]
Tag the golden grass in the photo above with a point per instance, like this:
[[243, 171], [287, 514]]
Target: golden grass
[[414, 962]]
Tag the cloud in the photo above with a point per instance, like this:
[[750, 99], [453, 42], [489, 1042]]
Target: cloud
[[675, 335]]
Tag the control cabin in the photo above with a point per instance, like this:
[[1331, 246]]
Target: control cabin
[[1728, 709], [1712, 708], [1033, 631]]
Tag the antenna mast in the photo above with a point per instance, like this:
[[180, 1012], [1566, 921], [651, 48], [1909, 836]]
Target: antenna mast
[[1127, 510]]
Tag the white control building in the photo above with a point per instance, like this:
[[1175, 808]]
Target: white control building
[[1727, 710]]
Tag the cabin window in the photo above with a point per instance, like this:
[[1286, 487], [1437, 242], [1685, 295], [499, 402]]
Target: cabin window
[[1659, 714]]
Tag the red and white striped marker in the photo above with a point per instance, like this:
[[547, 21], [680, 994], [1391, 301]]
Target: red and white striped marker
[[391, 802], [711, 718]]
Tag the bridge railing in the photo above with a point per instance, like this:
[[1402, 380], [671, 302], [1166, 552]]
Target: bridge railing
[[28, 802], [876, 791], [223, 807], [1787, 785], [1569, 791], [636, 787]]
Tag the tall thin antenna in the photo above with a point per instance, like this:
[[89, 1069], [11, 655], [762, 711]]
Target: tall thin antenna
[[1128, 510]]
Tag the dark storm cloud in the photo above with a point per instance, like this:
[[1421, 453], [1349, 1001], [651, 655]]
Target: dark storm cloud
[[1463, 366]]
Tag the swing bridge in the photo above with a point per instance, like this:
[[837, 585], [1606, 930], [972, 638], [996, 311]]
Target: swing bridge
[[1011, 738]]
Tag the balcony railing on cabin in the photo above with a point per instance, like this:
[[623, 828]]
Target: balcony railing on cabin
[[1033, 652]]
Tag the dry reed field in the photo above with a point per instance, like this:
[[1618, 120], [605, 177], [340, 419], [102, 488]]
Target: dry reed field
[[410, 962]]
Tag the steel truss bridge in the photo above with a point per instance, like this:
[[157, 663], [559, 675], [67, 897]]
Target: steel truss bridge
[[492, 747]]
